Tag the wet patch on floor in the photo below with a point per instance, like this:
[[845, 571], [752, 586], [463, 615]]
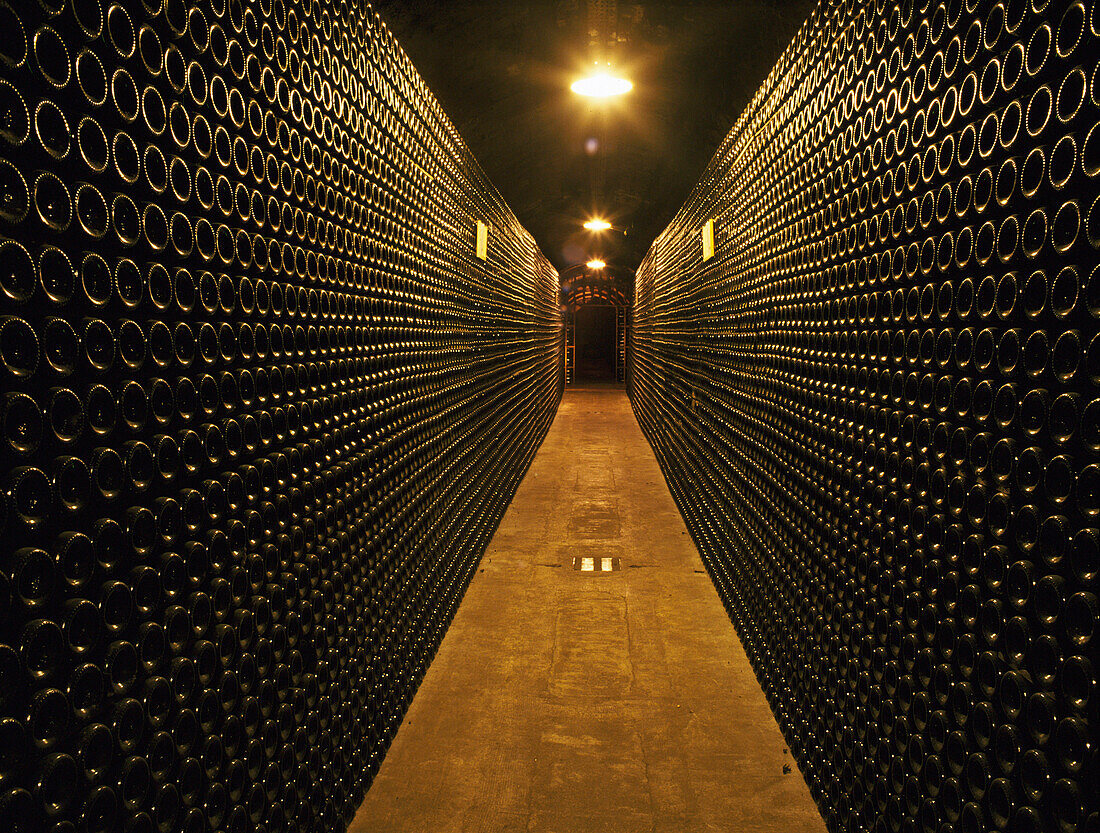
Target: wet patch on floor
[[591, 647], [595, 519]]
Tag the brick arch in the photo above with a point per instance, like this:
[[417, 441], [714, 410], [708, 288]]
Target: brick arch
[[584, 292]]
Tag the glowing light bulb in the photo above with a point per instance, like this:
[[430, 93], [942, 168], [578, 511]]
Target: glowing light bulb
[[596, 263]]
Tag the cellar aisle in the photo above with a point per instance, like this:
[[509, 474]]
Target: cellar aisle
[[574, 701]]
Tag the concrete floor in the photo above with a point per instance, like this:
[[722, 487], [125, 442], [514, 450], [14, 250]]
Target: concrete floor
[[573, 702]]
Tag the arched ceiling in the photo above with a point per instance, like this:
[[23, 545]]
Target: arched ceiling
[[615, 291], [502, 71]]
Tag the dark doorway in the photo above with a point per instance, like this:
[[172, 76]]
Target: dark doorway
[[595, 343]]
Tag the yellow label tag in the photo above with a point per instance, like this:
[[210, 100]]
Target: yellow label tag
[[708, 240], [482, 240]]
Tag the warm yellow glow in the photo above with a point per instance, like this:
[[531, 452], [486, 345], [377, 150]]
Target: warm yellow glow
[[596, 264], [597, 225], [601, 85]]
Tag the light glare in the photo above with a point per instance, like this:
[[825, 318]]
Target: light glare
[[596, 264], [601, 85], [597, 225]]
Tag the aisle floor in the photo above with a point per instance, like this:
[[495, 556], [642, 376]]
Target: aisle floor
[[577, 701]]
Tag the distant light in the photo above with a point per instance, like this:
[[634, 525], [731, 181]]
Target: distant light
[[597, 225], [601, 85], [596, 264], [592, 146]]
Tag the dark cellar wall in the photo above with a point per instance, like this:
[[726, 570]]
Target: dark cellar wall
[[262, 406], [877, 406]]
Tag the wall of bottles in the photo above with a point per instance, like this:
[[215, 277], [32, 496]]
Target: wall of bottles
[[878, 407], [262, 406]]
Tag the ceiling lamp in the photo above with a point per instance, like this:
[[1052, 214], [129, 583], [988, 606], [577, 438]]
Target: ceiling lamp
[[596, 264], [601, 85], [597, 225]]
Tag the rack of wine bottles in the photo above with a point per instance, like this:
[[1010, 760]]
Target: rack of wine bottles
[[876, 402], [264, 402]]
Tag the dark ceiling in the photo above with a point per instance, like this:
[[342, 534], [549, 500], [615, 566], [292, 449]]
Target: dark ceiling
[[502, 72]]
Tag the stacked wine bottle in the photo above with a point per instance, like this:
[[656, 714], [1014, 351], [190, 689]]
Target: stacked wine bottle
[[263, 406], [877, 406]]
